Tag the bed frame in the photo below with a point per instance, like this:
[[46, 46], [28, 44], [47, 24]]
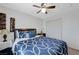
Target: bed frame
[[22, 30]]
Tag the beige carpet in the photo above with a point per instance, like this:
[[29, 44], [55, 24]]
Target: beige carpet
[[73, 51]]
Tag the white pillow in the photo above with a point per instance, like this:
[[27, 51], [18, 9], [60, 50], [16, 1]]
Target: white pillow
[[38, 35], [17, 34]]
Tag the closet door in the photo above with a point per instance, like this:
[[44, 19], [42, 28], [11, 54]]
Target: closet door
[[54, 29]]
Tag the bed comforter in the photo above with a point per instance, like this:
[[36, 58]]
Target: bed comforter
[[41, 46]]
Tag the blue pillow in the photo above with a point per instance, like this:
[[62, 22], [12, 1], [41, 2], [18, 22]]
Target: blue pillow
[[32, 34], [23, 35], [29, 34]]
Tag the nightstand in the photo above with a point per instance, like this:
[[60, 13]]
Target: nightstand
[[44, 34], [6, 48], [4, 45]]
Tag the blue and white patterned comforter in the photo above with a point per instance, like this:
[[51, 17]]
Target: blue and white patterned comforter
[[41, 46]]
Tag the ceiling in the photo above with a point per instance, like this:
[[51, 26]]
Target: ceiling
[[29, 9]]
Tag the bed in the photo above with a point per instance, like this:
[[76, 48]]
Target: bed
[[37, 45]]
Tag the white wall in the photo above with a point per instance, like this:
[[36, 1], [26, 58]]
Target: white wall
[[70, 29], [21, 20], [54, 29]]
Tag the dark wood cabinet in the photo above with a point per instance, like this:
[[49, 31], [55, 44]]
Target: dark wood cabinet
[[2, 21]]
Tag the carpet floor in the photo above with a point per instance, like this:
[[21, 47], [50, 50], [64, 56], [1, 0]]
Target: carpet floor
[[72, 51]]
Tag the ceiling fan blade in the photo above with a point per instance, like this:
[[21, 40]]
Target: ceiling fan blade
[[36, 6], [39, 11], [42, 4], [50, 7], [46, 12]]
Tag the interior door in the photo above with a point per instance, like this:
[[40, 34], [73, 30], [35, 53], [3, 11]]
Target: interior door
[[54, 29]]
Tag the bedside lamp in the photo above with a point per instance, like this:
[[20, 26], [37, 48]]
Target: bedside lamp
[[41, 32], [4, 33]]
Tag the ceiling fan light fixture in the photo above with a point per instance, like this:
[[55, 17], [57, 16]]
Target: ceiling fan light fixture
[[43, 10], [44, 7]]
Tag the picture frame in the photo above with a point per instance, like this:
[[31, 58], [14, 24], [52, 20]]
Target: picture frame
[[2, 21], [12, 24]]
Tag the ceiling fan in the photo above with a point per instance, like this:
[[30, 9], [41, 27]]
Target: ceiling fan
[[44, 7]]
